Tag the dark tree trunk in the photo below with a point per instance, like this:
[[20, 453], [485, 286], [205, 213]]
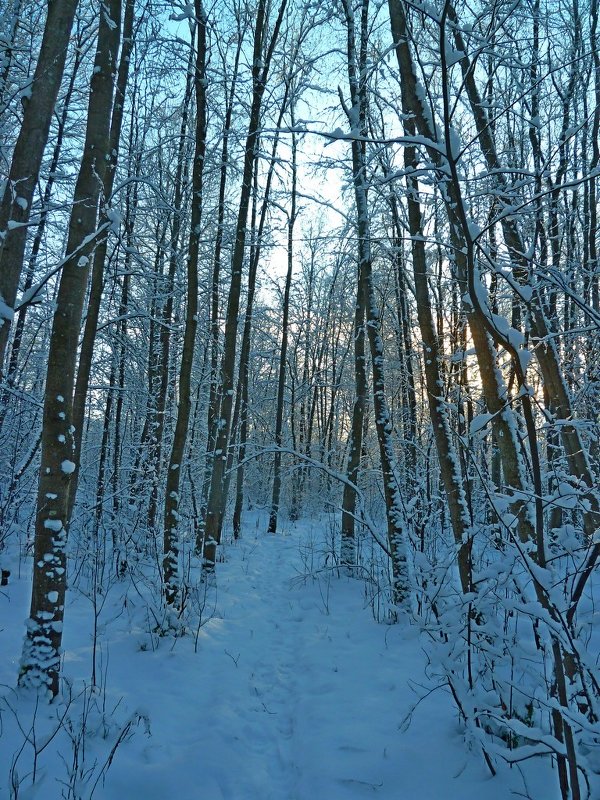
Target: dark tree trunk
[[15, 205], [172, 489], [217, 496], [40, 664], [276, 496]]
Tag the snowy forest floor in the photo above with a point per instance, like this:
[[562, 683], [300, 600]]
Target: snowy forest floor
[[288, 690]]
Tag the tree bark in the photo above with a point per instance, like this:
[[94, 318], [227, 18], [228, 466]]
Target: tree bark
[[15, 206], [397, 535], [276, 497], [213, 411], [40, 665], [172, 490], [495, 394], [217, 497], [95, 293], [348, 531], [163, 365], [41, 226]]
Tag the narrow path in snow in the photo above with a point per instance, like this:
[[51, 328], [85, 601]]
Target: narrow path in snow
[[295, 693]]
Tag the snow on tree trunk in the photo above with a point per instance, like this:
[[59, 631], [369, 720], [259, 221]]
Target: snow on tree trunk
[[396, 526], [172, 491], [40, 665], [217, 498]]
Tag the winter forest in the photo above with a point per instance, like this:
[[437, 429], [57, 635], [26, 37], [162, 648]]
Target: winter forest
[[299, 399]]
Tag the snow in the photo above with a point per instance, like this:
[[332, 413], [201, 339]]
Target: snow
[[31, 295], [479, 423], [187, 12], [53, 525], [337, 134], [288, 690], [513, 336], [114, 217], [454, 144], [526, 293], [6, 312], [453, 56], [68, 467]]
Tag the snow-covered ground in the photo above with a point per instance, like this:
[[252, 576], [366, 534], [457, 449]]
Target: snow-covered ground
[[289, 690]]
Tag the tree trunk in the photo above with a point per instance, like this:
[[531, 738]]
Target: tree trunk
[[41, 226], [95, 294], [164, 349], [217, 496], [239, 424], [40, 664], [275, 500], [15, 206], [447, 456], [213, 411], [495, 394], [397, 536], [172, 490], [348, 532]]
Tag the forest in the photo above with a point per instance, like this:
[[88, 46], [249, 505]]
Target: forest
[[315, 282]]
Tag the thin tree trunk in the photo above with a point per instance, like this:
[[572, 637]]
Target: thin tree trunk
[[301, 444], [239, 424], [547, 355], [10, 20], [240, 412], [164, 350], [494, 391], [212, 414], [217, 496], [397, 536], [276, 497], [348, 543], [447, 456], [592, 234], [103, 457], [120, 400], [172, 489]]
